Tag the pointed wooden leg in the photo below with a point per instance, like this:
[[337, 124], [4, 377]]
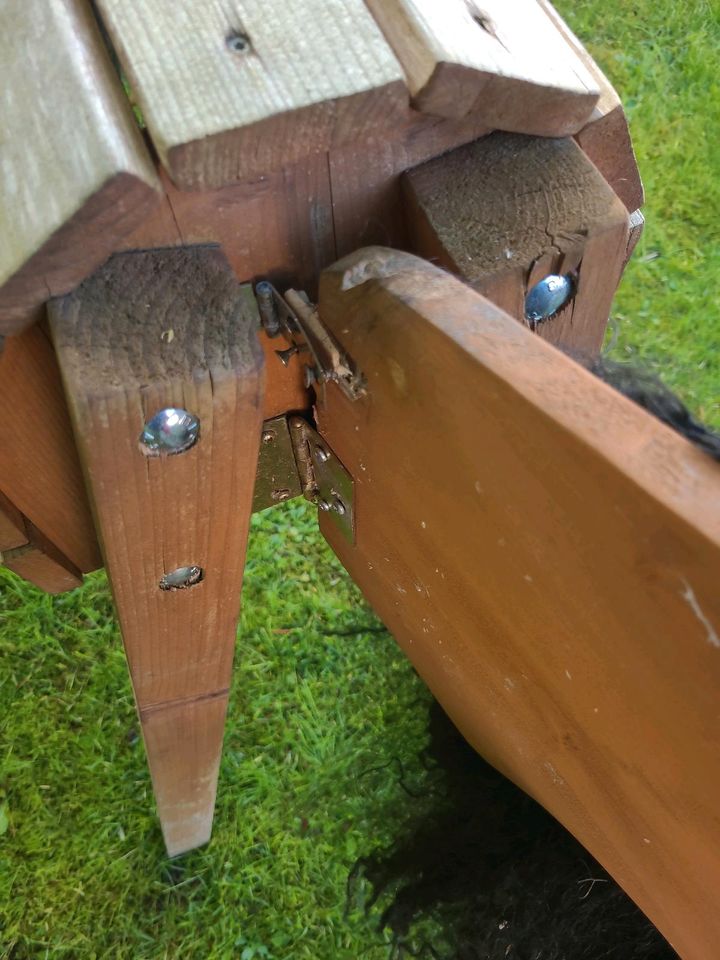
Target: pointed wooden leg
[[151, 332]]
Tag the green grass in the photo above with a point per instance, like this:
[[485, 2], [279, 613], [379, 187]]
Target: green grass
[[325, 713]]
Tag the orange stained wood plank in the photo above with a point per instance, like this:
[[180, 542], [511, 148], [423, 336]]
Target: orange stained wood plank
[[74, 172], [39, 466], [157, 514], [288, 225], [547, 555], [508, 210], [39, 562], [12, 526]]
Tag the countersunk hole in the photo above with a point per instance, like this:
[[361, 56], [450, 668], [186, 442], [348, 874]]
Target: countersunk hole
[[182, 578], [237, 42]]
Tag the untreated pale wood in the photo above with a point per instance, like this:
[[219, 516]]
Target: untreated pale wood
[[506, 62], [155, 514], [605, 137], [232, 92], [39, 467], [547, 555], [508, 210], [75, 174]]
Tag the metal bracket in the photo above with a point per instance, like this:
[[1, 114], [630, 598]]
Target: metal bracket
[[294, 459], [295, 316]]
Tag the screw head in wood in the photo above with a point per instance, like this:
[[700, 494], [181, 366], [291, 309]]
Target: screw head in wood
[[547, 297], [182, 578], [238, 42], [170, 431]]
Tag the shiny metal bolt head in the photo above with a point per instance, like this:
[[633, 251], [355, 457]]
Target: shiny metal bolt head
[[269, 436], [323, 505], [182, 578], [547, 297], [338, 506], [170, 431], [321, 455]]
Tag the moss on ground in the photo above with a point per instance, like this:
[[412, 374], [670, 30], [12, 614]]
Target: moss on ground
[[326, 718]]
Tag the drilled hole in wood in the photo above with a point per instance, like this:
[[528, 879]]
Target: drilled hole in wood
[[237, 42], [182, 578]]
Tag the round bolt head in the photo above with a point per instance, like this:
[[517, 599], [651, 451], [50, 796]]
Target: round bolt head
[[547, 297], [170, 431], [323, 505], [321, 455], [268, 436], [182, 578], [338, 506]]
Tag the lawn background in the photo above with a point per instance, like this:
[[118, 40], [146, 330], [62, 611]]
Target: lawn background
[[325, 714]]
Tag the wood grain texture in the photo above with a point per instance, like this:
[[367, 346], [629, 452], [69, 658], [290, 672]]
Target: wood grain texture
[[39, 466], [547, 555], [12, 526], [505, 62], [289, 225], [309, 75], [156, 514], [184, 742], [75, 174], [508, 210], [605, 137], [38, 561]]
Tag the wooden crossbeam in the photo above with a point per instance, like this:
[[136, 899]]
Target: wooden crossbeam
[[507, 211], [76, 176], [505, 62], [233, 93]]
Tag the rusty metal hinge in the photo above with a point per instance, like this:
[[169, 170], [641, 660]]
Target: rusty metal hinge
[[294, 460], [299, 320]]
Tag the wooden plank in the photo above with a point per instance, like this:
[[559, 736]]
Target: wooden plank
[[12, 526], [160, 513], [39, 466], [605, 138], [507, 211], [75, 174], [229, 94], [547, 555], [40, 562], [505, 62], [289, 225]]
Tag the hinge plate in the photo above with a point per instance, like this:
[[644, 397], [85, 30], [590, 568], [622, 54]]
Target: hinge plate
[[293, 460]]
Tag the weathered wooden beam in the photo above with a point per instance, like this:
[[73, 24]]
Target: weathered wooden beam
[[546, 553], [158, 513], [507, 211], [228, 94], [505, 62], [76, 176]]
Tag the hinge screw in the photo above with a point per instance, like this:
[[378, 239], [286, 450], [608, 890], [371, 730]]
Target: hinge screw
[[323, 505], [338, 506], [268, 436], [321, 455]]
